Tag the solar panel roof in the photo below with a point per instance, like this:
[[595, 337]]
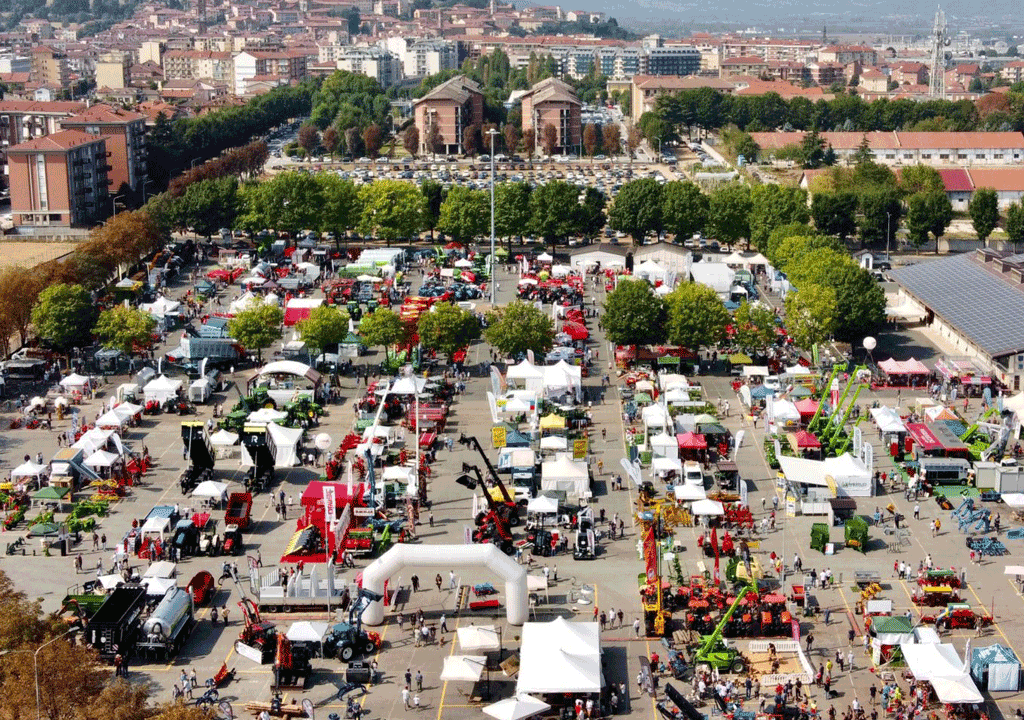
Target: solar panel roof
[[985, 306]]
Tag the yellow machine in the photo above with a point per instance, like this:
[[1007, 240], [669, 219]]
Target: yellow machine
[[655, 518]]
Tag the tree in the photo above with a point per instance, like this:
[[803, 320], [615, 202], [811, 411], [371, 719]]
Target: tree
[[755, 326], [63, 316], [19, 289], [326, 325], [352, 140], [779, 234], [554, 211], [447, 329], [928, 212], [433, 196], [411, 140], [309, 139], [549, 139], [633, 138], [68, 681], [920, 178], [835, 213], [126, 329], [331, 140], [392, 209], [610, 139], [1015, 224], [128, 236], [515, 328], [636, 209], [341, 208], [812, 150], [729, 213], [257, 327], [373, 138], [860, 302], [655, 128], [591, 212], [511, 136], [684, 209], [530, 142], [465, 213], [383, 327], [511, 210], [984, 212], [696, 316], [289, 201], [794, 248], [773, 205], [880, 212], [210, 205], [811, 314], [471, 139], [864, 153], [634, 315], [591, 139], [435, 142]]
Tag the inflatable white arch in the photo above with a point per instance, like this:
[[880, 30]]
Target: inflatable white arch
[[448, 556]]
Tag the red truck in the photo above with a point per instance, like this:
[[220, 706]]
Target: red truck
[[239, 510]]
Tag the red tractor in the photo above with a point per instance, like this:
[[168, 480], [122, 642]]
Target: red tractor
[[958, 615]]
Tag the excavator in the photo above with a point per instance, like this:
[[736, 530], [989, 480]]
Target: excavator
[[258, 636], [713, 651]]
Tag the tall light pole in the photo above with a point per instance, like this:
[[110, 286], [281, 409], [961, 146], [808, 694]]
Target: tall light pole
[[492, 132], [888, 222], [35, 667], [113, 204]]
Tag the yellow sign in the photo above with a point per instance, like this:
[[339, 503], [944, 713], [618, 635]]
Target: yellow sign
[[579, 449], [498, 436]]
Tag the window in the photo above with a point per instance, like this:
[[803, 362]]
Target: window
[[961, 156], [997, 156], [41, 181], [926, 156], [943, 156], [981, 156]]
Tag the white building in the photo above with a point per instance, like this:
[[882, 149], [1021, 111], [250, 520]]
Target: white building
[[427, 57], [10, 63], [373, 62]]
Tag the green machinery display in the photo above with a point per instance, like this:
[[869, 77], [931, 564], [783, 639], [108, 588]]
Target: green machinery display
[[819, 419], [832, 431], [712, 649], [819, 536], [857, 533]]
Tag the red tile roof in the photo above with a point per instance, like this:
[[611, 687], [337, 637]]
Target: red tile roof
[[103, 115], [956, 180], [56, 142]]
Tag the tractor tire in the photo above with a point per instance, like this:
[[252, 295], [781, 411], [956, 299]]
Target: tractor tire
[[513, 518], [369, 647], [347, 653], [737, 667]]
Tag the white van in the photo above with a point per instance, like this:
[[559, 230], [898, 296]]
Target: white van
[[692, 474]]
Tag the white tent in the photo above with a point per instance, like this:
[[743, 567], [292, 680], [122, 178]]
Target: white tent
[[544, 257], [785, 412], [158, 586], [888, 420], [110, 419], [286, 441], [210, 489], [246, 301], [156, 526], [161, 389], [1015, 404], [563, 378], [846, 471], [401, 473], [93, 440], [650, 270], [525, 370], [941, 665], [655, 416], [28, 469], [265, 416], [74, 381], [707, 507], [673, 381], [109, 582], [666, 465], [127, 410], [519, 707], [307, 631], [542, 504], [560, 657], [478, 637], [717, 276], [463, 668], [101, 458], [686, 492], [161, 568], [162, 307], [516, 457], [666, 445], [566, 475], [554, 442], [224, 438]]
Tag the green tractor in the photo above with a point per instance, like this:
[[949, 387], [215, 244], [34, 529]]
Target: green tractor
[[713, 649]]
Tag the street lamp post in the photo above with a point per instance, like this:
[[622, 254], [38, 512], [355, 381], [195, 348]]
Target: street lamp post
[[492, 132], [35, 667], [113, 204], [888, 223]]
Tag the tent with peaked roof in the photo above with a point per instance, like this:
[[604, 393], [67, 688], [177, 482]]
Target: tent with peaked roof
[[560, 657], [566, 475]]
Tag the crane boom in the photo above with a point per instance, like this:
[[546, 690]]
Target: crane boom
[[813, 424], [709, 642]]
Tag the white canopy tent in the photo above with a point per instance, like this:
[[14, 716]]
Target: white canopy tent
[[161, 389], [687, 492], [665, 445], [519, 707], [941, 665], [28, 469], [785, 413], [516, 457], [651, 271], [888, 420], [563, 378], [846, 471], [110, 419], [463, 668], [101, 458], [543, 505], [707, 507], [673, 381], [666, 465], [717, 276], [246, 301], [656, 416], [163, 307], [75, 382], [265, 416], [554, 442], [307, 631], [560, 657], [566, 475], [286, 442], [475, 638], [210, 489], [224, 438]]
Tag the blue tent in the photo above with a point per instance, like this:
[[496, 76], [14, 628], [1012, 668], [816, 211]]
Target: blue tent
[[995, 668]]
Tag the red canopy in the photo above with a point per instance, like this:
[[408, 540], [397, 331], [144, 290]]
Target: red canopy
[[924, 437], [575, 331], [805, 439], [692, 441], [807, 406]]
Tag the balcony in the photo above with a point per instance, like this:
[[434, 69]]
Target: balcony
[[104, 168]]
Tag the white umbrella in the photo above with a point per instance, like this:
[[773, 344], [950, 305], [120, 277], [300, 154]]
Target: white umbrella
[[516, 708], [210, 489], [463, 668], [478, 637]]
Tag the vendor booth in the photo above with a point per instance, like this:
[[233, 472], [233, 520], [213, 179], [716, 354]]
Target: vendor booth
[[560, 657], [996, 668], [941, 666], [566, 475]]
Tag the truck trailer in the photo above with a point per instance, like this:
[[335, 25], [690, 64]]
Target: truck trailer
[[115, 626]]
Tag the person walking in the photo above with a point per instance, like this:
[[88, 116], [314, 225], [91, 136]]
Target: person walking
[[415, 583], [405, 697], [636, 627], [437, 581], [444, 624], [810, 641]]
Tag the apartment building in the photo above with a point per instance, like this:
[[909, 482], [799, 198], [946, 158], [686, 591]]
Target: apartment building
[[59, 180], [1012, 72], [195, 64], [49, 67], [553, 102], [451, 107], [670, 60], [373, 62], [768, 48], [845, 54], [646, 89], [125, 135], [427, 57], [11, 63], [745, 65], [112, 71], [23, 120], [288, 64]]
